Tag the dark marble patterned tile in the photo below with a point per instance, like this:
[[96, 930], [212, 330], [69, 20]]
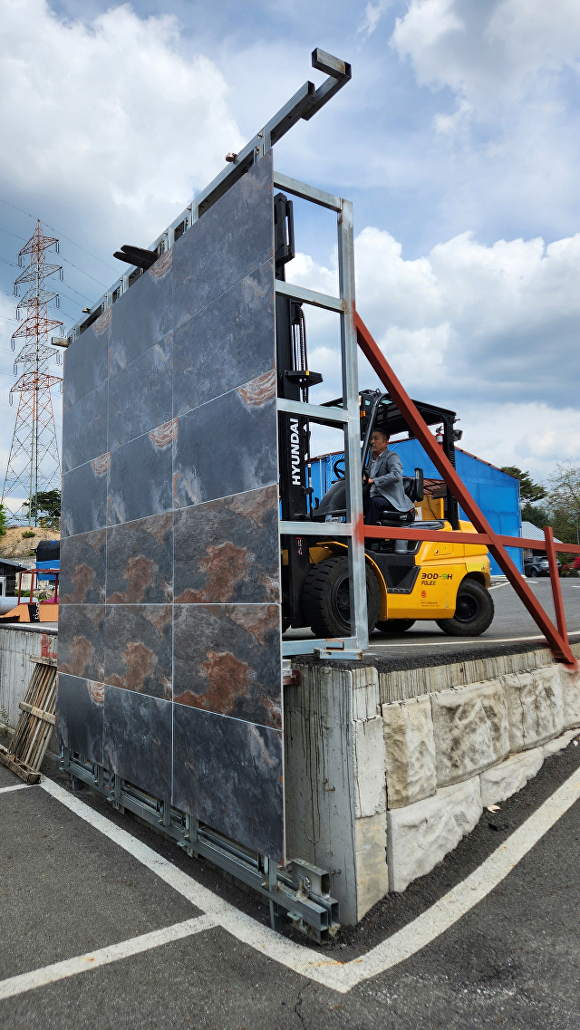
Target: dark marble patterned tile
[[227, 243], [84, 497], [79, 716], [85, 362], [227, 446], [82, 568], [138, 648], [140, 479], [140, 561], [229, 774], [229, 343], [81, 641], [227, 660], [84, 428], [143, 315], [140, 395], [228, 549], [137, 740]]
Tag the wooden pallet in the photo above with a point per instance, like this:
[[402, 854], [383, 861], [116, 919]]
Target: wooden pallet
[[28, 746]]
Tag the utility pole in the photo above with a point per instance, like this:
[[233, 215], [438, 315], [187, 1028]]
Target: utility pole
[[34, 463]]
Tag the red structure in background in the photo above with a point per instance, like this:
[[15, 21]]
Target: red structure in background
[[557, 637]]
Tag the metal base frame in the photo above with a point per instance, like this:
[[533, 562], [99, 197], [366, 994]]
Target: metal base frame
[[297, 891]]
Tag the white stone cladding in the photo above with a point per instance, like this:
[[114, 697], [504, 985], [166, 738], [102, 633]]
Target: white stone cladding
[[535, 707], [409, 751], [488, 738], [503, 780], [420, 835], [471, 731]]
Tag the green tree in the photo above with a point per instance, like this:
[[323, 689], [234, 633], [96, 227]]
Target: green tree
[[529, 491], [537, 515], [564, 501], [3, 520], [45, 508]]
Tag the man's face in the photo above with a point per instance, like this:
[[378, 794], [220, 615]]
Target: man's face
[[379, 443]]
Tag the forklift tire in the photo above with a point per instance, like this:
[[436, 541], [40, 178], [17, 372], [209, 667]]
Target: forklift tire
[[395, 626], [326, 598], [473, 613]]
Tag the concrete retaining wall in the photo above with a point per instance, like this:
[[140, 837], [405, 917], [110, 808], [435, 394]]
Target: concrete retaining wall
[[378, 792]]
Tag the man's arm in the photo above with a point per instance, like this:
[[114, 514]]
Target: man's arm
[[394, 465]]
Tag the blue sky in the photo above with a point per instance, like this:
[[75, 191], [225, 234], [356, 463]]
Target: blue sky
[[457, 140]]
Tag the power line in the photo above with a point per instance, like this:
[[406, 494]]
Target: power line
[[104, 285], [60, 234], [12, 233]]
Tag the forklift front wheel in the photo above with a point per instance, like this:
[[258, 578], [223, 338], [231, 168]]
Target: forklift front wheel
[[474, 611], [326, 598], [395, 626]]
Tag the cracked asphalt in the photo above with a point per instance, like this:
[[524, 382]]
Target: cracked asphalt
[[512, 961]]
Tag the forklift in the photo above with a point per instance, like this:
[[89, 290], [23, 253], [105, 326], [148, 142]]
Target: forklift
[[405, 580]]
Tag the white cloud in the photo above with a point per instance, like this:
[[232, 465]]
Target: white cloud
[[491, 332], [489, 52], [373, 14], [113, 110]]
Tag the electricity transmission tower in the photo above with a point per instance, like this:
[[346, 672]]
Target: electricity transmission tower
[[33, 463]]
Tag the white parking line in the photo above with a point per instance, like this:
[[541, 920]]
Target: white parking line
[[468, 640], [339, 976], [15, 786], [102, 957]]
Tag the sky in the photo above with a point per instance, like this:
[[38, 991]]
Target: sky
[[457, 140]]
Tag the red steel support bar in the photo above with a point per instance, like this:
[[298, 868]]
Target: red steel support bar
[[558, 643], [555, 578], [447, 536]]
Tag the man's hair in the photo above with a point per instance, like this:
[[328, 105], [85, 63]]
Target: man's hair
[[382, 432]]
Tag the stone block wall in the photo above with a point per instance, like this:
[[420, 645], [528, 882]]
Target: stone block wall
[[378, 792], [449, 754]]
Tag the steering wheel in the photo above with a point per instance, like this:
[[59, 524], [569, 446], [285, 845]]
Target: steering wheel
[[339, 468]]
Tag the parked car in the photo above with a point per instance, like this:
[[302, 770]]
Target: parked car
[[538, 565]]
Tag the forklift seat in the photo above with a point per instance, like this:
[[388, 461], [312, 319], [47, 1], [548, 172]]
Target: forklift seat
[[395, 518], [413, 487]]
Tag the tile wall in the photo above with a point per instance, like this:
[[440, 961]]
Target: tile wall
[[169, 625]]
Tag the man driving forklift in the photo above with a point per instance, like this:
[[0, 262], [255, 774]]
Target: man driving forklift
[[385, 479]]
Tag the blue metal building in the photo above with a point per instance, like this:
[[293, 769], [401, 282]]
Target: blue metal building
[[496, 493]]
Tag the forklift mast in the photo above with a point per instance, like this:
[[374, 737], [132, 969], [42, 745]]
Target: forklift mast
[[294, 378]]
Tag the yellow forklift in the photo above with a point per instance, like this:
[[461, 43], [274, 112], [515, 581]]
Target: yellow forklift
[[406, 580]]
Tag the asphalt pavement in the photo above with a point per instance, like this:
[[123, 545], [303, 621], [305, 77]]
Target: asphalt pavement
[[69, 889], [105, 924]]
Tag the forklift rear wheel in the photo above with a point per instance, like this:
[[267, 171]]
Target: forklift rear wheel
[[474, 611], [326, 598], [395, 626]]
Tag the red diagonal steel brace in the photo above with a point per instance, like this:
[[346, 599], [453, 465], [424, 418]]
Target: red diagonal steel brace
[[558, 642], [555, 578]]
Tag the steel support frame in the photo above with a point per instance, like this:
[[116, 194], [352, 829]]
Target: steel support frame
[[347, 416], [310, 908], [557, 637]]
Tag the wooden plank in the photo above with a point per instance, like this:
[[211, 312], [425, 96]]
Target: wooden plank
[[38, 713], [21, 770], [30, 741], [41, 661]]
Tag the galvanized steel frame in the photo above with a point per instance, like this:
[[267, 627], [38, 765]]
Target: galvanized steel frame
[[347, 416], [298, 892]]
